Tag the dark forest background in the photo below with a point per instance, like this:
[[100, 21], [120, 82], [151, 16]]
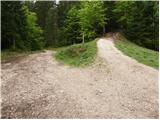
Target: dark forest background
[[30, 26]]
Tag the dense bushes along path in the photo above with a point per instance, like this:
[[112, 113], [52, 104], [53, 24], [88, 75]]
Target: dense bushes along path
[[116, 86]]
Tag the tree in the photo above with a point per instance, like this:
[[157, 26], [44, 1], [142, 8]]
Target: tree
[[62, 25], [111, 25], [62, 9], [139, 21], [19, 28], [13, 25], [51, 28], [30, 5], [92, 18], [71, 22], [34, 32], [41, 8], [72, 27]]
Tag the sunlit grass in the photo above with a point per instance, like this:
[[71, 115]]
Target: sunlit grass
[[142, 55], [78, 55]]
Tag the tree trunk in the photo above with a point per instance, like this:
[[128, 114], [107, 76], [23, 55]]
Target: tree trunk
[[14, 44], [104, 30]]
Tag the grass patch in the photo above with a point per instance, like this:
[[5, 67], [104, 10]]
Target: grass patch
[[8, 55], [78, 55], [142, 55]]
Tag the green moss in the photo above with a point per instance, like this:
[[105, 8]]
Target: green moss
[[78, 55], [142, 55]]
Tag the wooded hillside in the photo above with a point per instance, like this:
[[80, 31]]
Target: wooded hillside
[[32, 25]]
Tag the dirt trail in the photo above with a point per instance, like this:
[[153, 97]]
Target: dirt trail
[[116, 86]]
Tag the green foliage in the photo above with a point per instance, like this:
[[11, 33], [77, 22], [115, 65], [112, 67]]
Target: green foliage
[[13, 21], [84, 21], [142, 55], [71, 22], [41, 8], [62, 9], [50, 32], [111, 25], [139, 21], [67, 28], [19, 28], [30, 5], [34, 33], [92, 18], [78, 55], [47, 20], [72, 27]]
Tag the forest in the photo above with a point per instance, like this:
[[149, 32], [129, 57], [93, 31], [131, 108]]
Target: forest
[[79, 59], [35, 25]]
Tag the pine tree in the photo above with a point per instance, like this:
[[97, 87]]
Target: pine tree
[[13, 25], [139, 21], [51, 28], [41, 8]]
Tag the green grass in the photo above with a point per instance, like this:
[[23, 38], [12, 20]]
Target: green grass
[[78, 55], [142, 55], [8, 55]]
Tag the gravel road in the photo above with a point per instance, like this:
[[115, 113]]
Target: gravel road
[[115, 86]]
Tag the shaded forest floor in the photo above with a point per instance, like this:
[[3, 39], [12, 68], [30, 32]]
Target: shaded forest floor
[[115, 86]]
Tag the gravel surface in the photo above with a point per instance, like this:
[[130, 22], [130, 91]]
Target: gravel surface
[[115, 86]]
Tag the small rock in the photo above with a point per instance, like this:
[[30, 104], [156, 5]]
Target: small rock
[[8, 64], [98, 92], [61, 91]]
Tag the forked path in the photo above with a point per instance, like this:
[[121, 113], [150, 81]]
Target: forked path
[[115, 86]]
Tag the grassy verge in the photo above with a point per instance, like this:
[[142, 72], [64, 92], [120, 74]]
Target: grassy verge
[[142, 55], [78, 55], [9, 55]]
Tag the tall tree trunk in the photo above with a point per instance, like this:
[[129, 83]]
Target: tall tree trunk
[[104, 30], [14, 44]]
